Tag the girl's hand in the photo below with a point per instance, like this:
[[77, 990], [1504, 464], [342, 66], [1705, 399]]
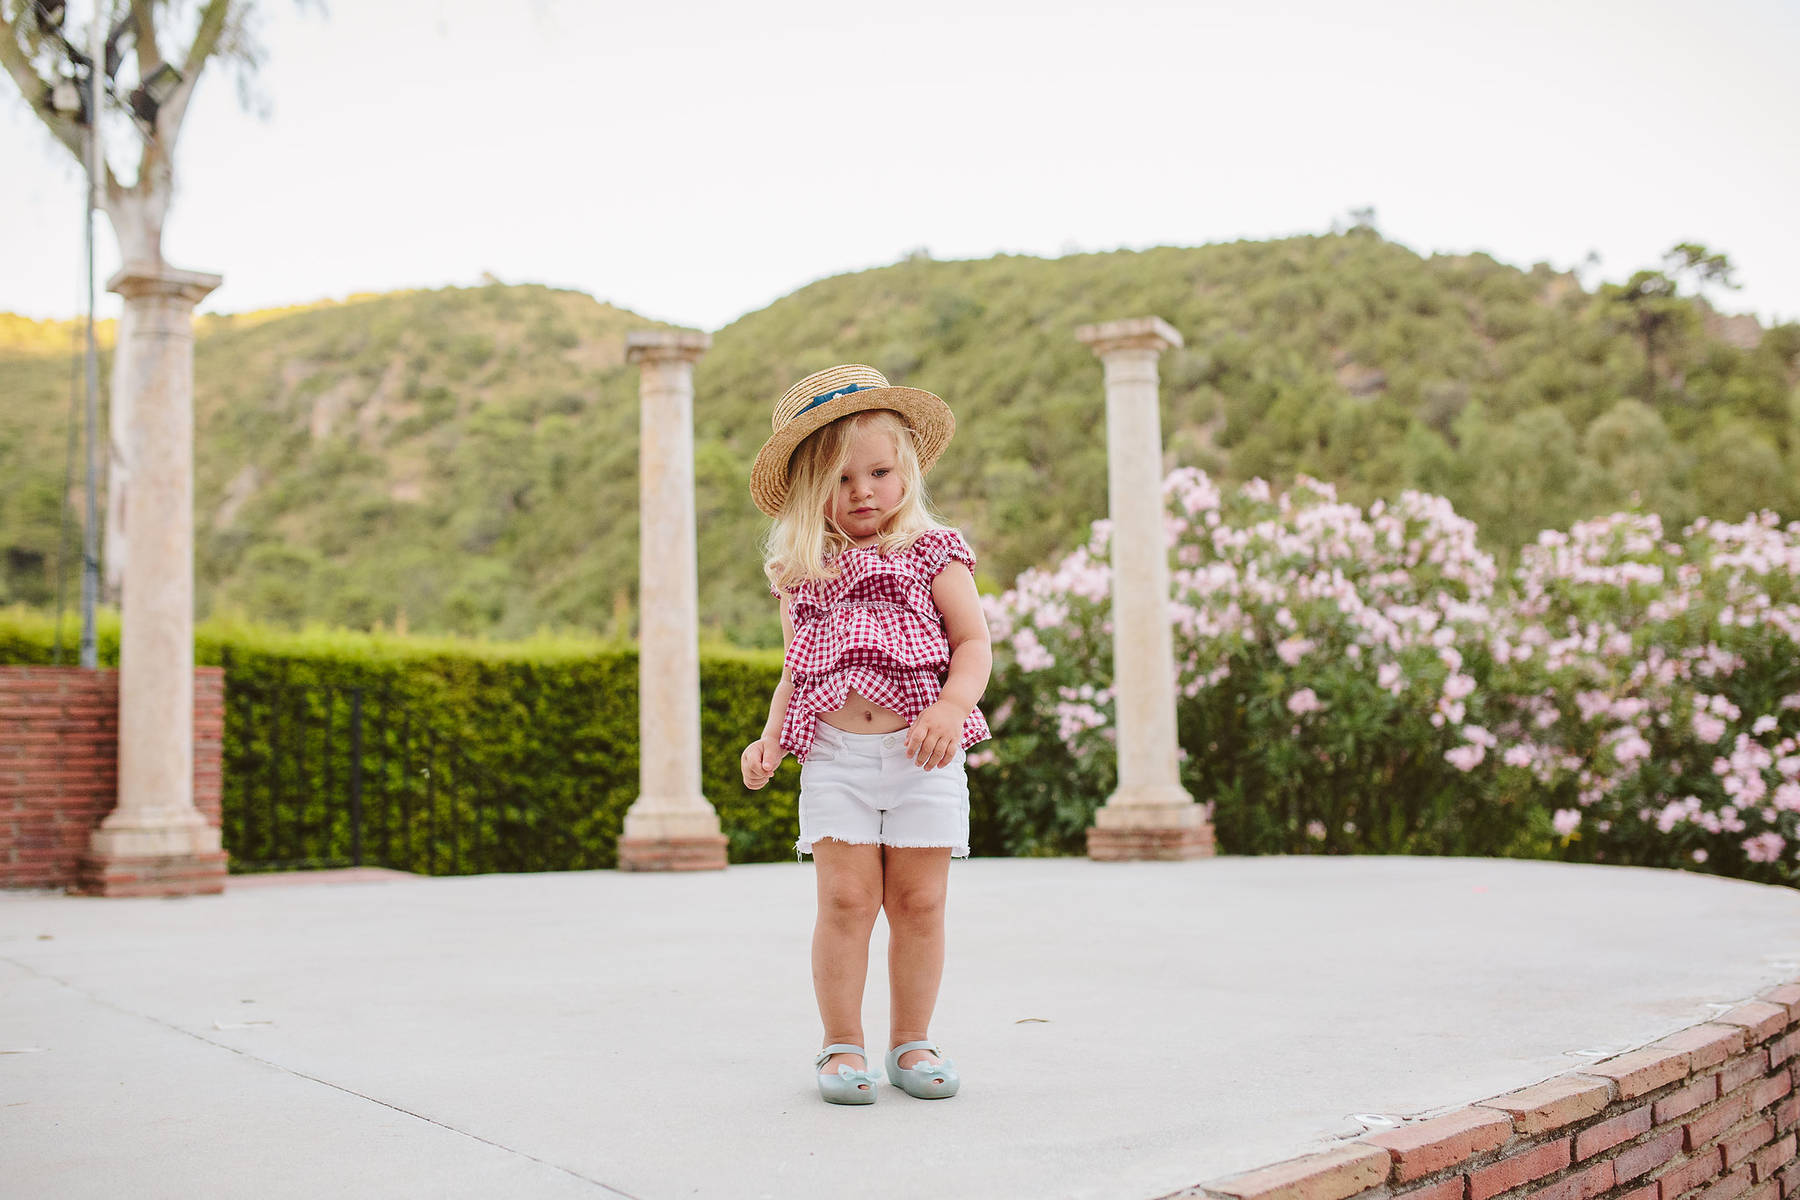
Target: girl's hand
[[759, 760], [933, 740]]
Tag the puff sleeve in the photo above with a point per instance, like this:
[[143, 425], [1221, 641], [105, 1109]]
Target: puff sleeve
[[935, 548]]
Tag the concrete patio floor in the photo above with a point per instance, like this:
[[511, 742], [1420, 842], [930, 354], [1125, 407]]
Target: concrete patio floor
[[1123, 1029]]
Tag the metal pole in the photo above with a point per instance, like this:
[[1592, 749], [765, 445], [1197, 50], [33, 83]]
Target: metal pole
[[90, 538]]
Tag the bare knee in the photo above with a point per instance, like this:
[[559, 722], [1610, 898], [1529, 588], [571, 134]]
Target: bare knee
[[916, 904], [849, 903]]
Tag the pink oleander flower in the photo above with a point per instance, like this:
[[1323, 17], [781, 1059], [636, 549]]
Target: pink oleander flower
[[1764, 847], [1304, 701], [1293, 649], [1708, 728], [1465, 758], [1566, 821]]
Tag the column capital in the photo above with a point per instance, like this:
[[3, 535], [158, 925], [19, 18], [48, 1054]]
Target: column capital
[[137, 279], [666, 345], [1132, 333]]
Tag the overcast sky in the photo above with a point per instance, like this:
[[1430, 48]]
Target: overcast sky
[[697, 161]]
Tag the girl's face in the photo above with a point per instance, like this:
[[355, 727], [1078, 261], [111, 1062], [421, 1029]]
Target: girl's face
[[868, 488]]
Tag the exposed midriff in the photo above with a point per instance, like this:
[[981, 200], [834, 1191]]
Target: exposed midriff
[[862, 715]]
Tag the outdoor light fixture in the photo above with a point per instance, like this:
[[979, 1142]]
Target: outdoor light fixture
[[147, 97]]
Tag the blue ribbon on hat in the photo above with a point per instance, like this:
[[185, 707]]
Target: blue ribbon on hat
[[843, 391]]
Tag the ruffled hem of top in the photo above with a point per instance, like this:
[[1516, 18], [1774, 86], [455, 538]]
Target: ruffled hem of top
[[901, 636]]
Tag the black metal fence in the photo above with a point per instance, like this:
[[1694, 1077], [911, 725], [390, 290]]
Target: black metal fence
[[318, 775]]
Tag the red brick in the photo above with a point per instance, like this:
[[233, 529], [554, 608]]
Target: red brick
[[1647, 1192], [1784, 1048], [1680, 1103], [1522, 1168], [1614, 1132], [1636, 1160], [1787, 1113], [1788, 996], [1765, 1093], [1581, 1185], [1685, 1176], [1714, 1121], [1766, 1161], [1554, 1103], [1333, 1175], [1762, 1019], [1739, 1146], [1642, 1070], [1730, 1187], [1443, 1189], [1426, 1147]]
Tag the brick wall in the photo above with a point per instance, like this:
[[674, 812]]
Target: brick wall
[[1708, 1113], [59, 747]]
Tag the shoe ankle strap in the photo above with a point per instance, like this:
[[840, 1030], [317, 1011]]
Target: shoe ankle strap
[[840, 1048], [904, 1047]]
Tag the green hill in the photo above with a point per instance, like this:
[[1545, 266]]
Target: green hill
[[465, 459]]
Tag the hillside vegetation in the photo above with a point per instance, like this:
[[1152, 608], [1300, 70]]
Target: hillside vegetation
[[465, 460]]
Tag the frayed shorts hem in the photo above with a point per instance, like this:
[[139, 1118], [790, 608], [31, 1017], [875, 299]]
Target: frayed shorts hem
[[806, 846]]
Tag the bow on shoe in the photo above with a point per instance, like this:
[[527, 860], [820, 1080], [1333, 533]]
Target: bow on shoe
[[928, 1066], [845, 1069]]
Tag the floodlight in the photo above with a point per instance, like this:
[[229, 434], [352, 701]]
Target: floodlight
[[149, 96]]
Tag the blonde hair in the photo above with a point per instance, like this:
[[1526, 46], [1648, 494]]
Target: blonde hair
[[803, 538]]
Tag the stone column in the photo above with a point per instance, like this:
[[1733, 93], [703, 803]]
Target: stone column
[[1150, 815], [156, 834], [670, 827]]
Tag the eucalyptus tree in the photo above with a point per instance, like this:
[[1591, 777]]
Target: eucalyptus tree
[[156, 52]]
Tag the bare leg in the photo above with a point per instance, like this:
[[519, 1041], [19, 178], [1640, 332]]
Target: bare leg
[[914, 888], [849, 880]]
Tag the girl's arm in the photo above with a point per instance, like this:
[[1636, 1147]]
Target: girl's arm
[[784, 691], [761, 757], [936, 736]]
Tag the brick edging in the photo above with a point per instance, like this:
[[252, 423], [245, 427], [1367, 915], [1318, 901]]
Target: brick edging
[[1708, 1113]]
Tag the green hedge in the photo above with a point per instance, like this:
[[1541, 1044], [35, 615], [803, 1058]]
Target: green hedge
[[550, 722]]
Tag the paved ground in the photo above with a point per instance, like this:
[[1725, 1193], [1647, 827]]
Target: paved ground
[[1123, 1029]]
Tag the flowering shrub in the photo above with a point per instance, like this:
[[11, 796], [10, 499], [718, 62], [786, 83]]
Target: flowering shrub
[[1329, 667], [1660, 699], [1351, 682]]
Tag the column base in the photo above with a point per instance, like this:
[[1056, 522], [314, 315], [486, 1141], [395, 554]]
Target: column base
[[705, 853], [98, 873], [1150, 843]]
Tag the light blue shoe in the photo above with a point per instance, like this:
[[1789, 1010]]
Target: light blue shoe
[[848, 1086], [927, 1080]]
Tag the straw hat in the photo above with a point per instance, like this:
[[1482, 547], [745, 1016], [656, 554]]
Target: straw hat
[[822, 398]]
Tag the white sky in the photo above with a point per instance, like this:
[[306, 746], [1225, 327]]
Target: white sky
[[696, 161]]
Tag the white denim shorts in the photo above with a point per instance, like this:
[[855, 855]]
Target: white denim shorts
[[861, 787]]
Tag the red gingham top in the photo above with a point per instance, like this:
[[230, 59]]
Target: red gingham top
[[874, 628]]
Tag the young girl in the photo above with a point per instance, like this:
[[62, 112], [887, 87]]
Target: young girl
[[886, 655]]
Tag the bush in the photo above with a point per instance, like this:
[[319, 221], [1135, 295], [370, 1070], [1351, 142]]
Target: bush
[[532, 746], [1354, 683]]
